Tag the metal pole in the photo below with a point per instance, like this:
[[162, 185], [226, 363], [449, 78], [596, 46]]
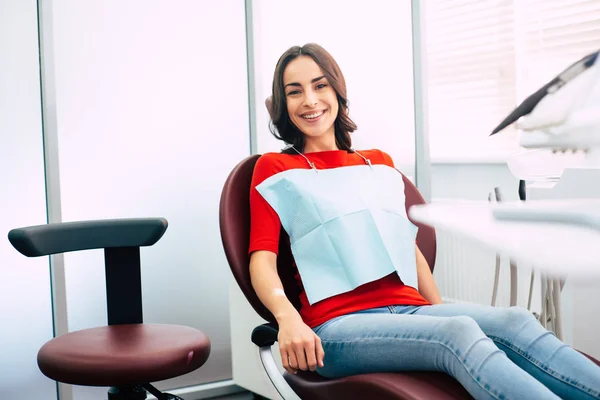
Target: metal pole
[[51, 170], [251, 77], [422, 160]]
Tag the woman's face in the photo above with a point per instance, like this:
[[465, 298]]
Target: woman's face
[[311, 101]]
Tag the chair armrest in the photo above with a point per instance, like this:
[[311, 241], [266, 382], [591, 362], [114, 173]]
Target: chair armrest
[[62, 237], [265, 334]]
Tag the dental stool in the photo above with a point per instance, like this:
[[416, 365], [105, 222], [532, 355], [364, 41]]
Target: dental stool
[[235, 233], [127, 354]]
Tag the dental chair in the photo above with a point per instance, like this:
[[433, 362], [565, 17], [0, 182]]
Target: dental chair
[[127, 354], [235, 233]]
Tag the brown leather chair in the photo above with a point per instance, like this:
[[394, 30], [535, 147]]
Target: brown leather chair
[[127, 354], [235, 231], [235, 234]]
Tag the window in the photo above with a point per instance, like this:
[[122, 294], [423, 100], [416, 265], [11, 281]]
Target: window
[[485, 56]]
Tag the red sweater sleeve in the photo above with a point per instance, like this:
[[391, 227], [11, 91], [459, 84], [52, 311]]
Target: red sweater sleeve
[[387, 159], [265, 225]]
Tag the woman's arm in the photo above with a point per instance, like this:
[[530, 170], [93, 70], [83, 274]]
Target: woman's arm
[[299, 346], [427, 286]]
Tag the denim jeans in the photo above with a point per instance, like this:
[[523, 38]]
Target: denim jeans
[[495, 353]]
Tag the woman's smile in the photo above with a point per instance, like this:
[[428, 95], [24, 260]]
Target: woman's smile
[[313, 116]]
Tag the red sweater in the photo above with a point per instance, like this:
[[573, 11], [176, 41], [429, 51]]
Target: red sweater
[[265, 229]]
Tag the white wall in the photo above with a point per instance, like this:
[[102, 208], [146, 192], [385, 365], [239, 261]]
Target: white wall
[[472, 180], [152, 114], [373, 47], [25, 302]]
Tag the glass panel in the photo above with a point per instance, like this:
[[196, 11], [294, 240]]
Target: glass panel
[[153, 114], [372, 45], [25, 299]]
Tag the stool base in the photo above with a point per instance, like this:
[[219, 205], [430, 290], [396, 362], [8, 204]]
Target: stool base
[[138, 392]]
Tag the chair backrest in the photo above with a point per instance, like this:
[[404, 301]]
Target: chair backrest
[[234, 220]]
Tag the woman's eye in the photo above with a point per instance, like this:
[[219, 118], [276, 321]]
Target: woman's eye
[[293, 92], [321, 85]]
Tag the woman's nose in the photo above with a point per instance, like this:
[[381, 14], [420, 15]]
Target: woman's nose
[[310, 99]]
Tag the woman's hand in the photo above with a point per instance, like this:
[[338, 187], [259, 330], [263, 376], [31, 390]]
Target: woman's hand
[[299, 346]]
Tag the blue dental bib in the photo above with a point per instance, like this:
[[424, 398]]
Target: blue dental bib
[[347, 226]]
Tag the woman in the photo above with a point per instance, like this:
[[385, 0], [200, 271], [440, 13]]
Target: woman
[[393, 319]]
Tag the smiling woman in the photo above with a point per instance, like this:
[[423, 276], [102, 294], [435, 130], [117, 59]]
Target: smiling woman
[[309, 96], [368, 302]]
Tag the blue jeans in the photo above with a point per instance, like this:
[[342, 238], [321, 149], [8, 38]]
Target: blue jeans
[[495, 353]]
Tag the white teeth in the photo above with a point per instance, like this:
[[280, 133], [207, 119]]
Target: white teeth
[[312, 116]]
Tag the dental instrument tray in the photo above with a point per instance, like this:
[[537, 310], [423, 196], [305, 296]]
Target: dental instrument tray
[[582, 212]]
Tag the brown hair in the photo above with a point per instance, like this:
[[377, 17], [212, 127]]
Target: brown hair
[[281, 126]]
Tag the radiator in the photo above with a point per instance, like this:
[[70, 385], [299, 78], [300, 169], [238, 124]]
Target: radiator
[[464, 273]]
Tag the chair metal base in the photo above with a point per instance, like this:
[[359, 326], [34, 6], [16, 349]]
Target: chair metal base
[[139, 392], [278, 381]]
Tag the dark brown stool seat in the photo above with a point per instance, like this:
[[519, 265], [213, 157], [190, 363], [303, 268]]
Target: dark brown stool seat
[[123, 355]]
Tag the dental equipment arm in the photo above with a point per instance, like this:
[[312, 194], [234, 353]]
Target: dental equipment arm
[[565, 112]]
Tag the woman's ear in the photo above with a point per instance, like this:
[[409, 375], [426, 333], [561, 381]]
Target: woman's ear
[[269, 105]]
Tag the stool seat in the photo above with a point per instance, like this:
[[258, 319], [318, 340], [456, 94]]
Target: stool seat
[[123, 355]]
